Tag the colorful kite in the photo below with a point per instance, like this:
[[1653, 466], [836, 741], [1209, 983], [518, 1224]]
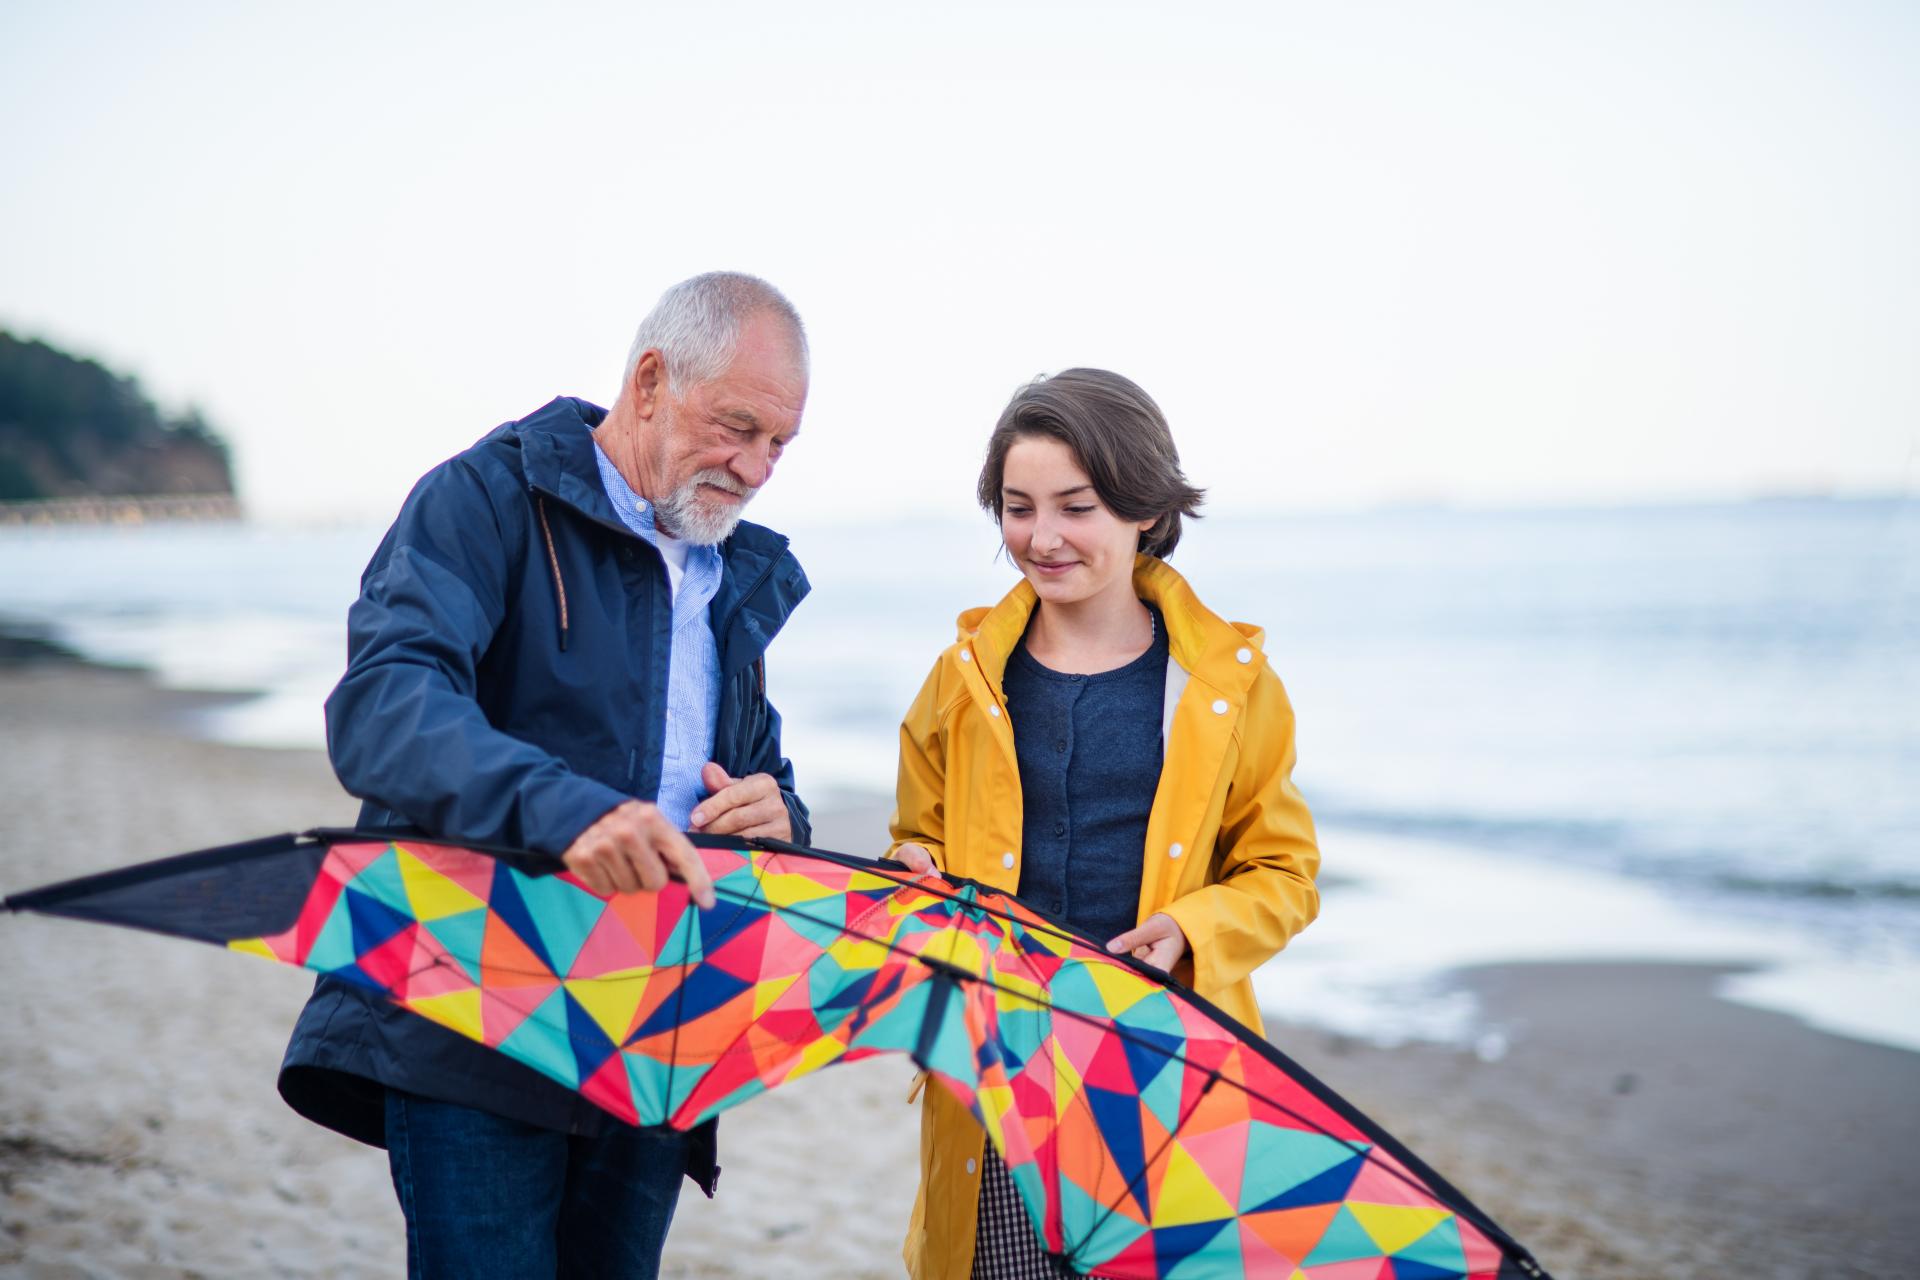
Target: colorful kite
[[1149, 1135]]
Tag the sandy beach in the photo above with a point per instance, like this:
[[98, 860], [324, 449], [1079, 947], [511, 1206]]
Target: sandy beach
[[1636, 1127]]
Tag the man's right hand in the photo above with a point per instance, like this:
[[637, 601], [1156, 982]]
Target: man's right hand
[[633, 847]]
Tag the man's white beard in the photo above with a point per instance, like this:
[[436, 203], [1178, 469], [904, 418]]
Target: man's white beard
[[684, 515]]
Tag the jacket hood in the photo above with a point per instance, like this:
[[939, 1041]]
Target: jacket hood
[[1199, 639]]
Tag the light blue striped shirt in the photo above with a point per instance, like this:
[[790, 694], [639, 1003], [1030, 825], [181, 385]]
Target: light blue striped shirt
[[693, 658]]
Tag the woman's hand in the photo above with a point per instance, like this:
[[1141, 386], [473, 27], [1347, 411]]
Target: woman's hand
[[915, 858], [1158, 941]]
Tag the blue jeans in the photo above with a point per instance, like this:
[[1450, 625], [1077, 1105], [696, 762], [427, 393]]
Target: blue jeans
[[489, 1197]]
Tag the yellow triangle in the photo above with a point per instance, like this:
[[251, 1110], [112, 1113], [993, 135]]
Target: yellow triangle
[[792, 890], [611, 998], [430, 894], [1187, 1195], [458, 1010], [820, 1053], [765, 993], [1066, 1082], [1393, 1227], [1120, 989], [252, 947]]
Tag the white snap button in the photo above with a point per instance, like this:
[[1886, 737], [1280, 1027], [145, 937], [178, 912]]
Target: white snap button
[[1245, 655], [1174, 850], [1219, 706], [1006, 860], [968, 657], [994, 712], [970, 1165]]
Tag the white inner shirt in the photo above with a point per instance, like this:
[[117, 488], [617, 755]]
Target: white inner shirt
[[674, 552]]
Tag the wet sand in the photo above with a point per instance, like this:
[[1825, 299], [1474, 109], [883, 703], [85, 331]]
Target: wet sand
[[1636, 1128]]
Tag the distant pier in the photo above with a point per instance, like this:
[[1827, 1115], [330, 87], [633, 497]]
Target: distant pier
[[122, 510]]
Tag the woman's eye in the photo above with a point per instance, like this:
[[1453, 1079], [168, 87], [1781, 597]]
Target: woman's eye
[[1079, 511], [1016, 511]]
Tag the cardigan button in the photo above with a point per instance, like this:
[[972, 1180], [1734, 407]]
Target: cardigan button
[[968, 657], [994, 712], [1006, 860], [1245, 655], [970, 1164], [1174, 850], [1219, 706]]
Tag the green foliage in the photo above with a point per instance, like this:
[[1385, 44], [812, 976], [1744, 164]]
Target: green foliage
[[70, 425]]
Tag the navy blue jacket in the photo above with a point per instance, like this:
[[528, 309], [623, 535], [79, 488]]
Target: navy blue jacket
[[506, 684]]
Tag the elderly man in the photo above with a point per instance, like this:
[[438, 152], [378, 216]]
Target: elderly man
[[558, 646]]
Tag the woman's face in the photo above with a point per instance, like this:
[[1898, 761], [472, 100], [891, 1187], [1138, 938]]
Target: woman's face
[[1065, 540]]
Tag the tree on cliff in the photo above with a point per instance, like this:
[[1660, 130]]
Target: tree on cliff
[[70, 427]]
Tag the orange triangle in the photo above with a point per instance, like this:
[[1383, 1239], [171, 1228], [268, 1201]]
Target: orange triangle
[[505, 961], [1293, 1232]]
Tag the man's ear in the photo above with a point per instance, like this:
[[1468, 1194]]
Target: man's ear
[[647, 383]]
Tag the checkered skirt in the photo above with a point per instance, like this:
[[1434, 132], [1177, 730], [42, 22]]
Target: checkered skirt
[[1005, 1246]]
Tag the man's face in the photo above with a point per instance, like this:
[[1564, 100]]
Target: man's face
[[717, 441]]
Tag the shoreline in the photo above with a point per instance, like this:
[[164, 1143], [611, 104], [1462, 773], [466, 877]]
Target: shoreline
[[1636, 1125]]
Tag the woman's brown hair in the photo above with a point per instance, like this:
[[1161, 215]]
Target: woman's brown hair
[[1118, 436]]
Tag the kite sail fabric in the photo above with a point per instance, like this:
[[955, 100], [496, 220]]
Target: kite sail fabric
[[1148, 1134]]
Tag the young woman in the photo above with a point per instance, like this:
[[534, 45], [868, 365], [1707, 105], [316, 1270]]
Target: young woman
[[1105, 746]]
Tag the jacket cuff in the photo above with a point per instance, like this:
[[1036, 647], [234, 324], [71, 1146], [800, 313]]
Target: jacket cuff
[[797, 818], [560, 811], [1197, 923]]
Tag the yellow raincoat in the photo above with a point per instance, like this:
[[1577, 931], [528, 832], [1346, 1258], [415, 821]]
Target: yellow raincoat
[[1230, 850]]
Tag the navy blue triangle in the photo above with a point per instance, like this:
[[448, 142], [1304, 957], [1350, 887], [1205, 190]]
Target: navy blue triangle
[[1408, 1269], [1173, 1245], [715, 933], [374, 922], [589, 1043], [851, 995], [1145, 1061], [701, 992], [1117, 1116], [511, 908], [1324, 1188]]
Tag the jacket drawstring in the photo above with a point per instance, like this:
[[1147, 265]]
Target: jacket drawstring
[[553, 563]]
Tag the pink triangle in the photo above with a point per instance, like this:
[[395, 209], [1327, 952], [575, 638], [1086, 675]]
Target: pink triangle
[[471, 871], [609, 948], [503, 1009]]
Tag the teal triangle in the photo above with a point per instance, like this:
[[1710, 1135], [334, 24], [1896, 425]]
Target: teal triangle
[[682, 944], [1345, 1240], [1078, 1214], [647, 1078], [333, 948], [563, 913], [1280, 1159], [1161, 1094], [1440, 1247], [541, 1041], [380, 879], [1219, 1256], [462, 935]]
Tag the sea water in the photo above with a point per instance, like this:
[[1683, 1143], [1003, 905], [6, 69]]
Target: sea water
[[1644, 733]]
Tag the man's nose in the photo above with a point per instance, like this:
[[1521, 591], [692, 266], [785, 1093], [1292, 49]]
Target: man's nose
[[753, 465]]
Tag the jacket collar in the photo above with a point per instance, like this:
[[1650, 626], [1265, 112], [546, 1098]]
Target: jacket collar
[[1199, 640], [556, 447]]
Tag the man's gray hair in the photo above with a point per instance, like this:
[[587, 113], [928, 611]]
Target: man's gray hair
[[696, 325]]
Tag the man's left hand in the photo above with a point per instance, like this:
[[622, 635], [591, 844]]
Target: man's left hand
[[1158, 941], [749, 806]]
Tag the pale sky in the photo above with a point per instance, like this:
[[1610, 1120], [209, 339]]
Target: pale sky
[[1475, 252]]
